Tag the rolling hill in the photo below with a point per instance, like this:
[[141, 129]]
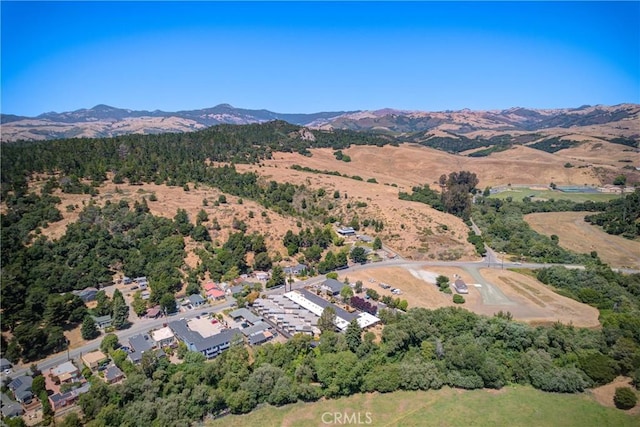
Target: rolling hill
[[469, 129]]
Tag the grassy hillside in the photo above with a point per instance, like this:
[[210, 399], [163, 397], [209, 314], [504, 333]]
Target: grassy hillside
[[514, 406]]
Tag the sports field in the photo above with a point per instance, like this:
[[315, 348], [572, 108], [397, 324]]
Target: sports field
[[511, 406], [518, 193]]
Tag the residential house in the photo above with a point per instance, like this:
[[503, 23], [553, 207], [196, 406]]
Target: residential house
[[243, 313], [21, 388], [60, 400], [295, 270], [346, 231], [209, 286], [259, 338], [5, 364], [235, 290], [216, 294], [210, 346], [257, 333], [10, 408], [66, 372], [163, 337], [113, 374], [94, 359], [87, 294], [139, 344], [332, 286], [196, 300], [154, 312], [460, 286], [261, 275], [141, 282], [102, 322]]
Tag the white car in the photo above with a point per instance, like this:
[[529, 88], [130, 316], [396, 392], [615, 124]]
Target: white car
[[7, 371]]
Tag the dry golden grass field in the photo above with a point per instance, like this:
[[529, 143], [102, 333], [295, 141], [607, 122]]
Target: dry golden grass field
[[577, 235]]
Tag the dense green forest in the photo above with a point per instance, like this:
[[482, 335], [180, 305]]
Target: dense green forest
[[174, 158]]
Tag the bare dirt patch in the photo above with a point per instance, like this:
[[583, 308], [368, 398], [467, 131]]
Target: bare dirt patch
[[537, 303], [604, 394], [533, 302], [577, 235]]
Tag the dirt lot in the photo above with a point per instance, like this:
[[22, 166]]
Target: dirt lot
[[604, 394], [531, 301], [537, 303], [577, 235]]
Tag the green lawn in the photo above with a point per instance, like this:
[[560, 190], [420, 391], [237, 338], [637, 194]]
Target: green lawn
[[518, 193], [511, 406]]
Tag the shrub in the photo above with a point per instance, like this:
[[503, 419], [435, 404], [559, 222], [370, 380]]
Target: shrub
[[458, 299], [625, 398]]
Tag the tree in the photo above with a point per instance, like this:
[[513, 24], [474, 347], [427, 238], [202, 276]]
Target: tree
[[38, 385], [89, 330], [202, 217], [104, 304], [458, 299], [442, 282], [358, 287], [353, 335], [346, 293], [625, 398], [182, 222], [327, 319], [168, 303], [109, 343], [120, 311], [262, 262], [277, 277], [377, 244], [71, 420], [373, 294], [139, 305], [359, 255], [620, 180]]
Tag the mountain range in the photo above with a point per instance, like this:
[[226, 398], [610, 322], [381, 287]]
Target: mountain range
[[599, 122]]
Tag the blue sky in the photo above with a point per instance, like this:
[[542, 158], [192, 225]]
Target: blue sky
[[309, 57]]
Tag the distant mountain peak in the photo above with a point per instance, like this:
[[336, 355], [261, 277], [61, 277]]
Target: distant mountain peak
[[105, 120]]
